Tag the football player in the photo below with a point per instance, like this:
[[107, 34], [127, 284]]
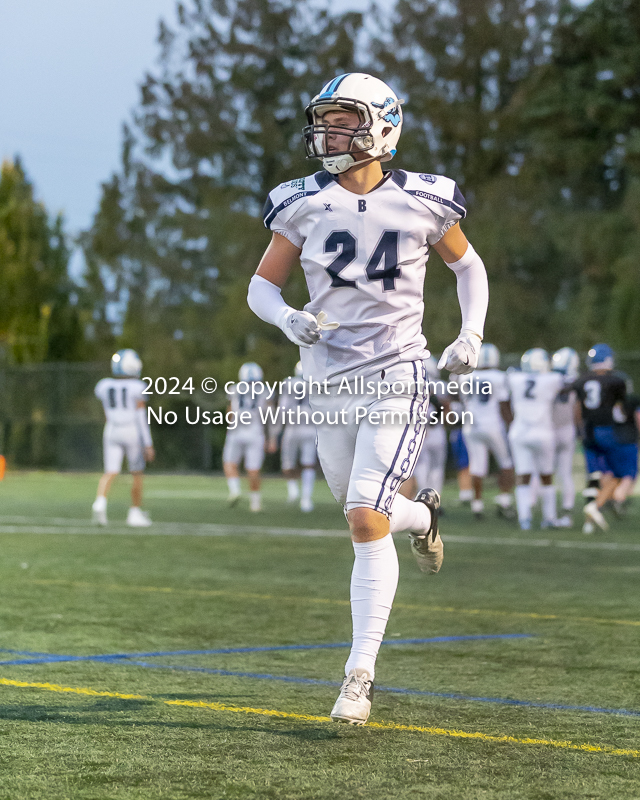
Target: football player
[[298, 444], [245, 442], [126, 432], [430, 466], [363, 237], [627, 433], [488, 433], [567, 362], [602, 394], [531, 435]]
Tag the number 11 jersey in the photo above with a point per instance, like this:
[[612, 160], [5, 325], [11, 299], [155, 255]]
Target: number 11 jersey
[[364, 259], [119, 398]]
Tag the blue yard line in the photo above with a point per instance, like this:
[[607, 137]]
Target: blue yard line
[[392, 689], [44, 658]]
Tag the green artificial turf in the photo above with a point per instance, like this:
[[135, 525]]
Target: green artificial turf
[[206, 577]]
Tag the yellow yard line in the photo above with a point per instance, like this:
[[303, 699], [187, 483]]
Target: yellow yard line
[[326, 601], [385, 726]]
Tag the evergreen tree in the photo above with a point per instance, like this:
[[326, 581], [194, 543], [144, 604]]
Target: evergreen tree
[[179, 227], [39, 315]]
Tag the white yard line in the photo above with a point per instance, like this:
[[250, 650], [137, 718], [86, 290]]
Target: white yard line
[[19, 524]]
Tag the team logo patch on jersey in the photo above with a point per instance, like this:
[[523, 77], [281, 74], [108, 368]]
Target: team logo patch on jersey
[[298, 183], [428, 178]]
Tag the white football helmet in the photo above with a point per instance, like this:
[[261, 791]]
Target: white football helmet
[[126, 364], [298, 370], [250, 372], [566, 361], [489, 357], [535, 360], [380, 121]]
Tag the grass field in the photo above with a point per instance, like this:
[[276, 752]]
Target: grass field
[[107, 693]]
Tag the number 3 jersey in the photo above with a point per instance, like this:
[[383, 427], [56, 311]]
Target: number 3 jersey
[[364, 259], [119, 398]]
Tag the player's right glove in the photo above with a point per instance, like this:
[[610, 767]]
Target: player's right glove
[[461, 357], [303, 329]]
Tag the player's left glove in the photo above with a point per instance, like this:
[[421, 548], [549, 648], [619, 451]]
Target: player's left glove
[[461, 357]]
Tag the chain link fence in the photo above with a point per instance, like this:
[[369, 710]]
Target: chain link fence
[[50, 419]]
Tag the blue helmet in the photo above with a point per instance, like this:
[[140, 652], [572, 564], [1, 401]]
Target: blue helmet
[[126, 364], [566, 361], [600, 356], [535, 360]]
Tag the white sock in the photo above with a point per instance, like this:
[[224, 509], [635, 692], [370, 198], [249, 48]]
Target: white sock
[[407, 515], [504, 499], [374, 581], [234, 486], [292, 489], [100, 503], [548, 497], [465, 495], [308, 481], [523, 502]]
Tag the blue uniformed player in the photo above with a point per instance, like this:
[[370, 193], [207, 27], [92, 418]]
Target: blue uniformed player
[[602, 394]]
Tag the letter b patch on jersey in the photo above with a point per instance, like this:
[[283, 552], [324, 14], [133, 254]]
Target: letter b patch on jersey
[[362, 205]]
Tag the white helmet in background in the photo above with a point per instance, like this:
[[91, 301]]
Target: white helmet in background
[[535, 360], [298, 371], [380, 121], [126, 364], [566, 361], [489, 357], [250, 372]]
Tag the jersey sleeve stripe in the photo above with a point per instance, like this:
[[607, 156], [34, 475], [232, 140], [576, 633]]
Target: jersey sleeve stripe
[[435, 199], [268, 207], [331, 88], [273, 213]]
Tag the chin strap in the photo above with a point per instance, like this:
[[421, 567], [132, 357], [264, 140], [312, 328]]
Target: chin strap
[[338, 164]]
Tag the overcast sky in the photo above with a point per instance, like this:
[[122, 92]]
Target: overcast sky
[[70, 71]]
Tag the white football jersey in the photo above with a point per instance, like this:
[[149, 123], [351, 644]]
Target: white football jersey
[[290, 403], [485, 406], [533, 395], [119, 398], [364, 259], [564, 409], [242, 403]]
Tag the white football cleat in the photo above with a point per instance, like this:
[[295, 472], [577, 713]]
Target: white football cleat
[[477, 507], [99, 513], [593, 514], [255, 502], [588, 527], [137, 518], [427, 546], [306, 505], [565, 521], [354, 701]]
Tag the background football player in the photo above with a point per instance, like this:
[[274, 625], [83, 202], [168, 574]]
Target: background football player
[[363, 238], [531, 435], [567, 362], [246, 442], [487, 434], [602, 394], [298, 443], [126, 432]]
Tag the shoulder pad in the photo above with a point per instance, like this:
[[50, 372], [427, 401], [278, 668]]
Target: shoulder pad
[[439, 193], [292, 192]]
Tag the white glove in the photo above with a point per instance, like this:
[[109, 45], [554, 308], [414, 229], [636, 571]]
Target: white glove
[[461, 357], [303, 329]]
